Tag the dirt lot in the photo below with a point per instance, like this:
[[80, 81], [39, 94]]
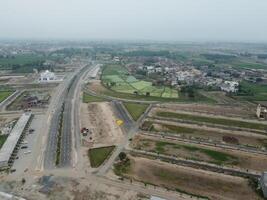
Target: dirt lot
[[199, 182], [232, 111], [96, 86], [211, 134], [204, 153], [101, 121]]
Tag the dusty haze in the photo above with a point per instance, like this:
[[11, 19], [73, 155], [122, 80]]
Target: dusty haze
[[229, 20]]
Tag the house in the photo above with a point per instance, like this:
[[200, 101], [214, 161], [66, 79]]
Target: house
[[261, 111], [263, 183], [229, 86]]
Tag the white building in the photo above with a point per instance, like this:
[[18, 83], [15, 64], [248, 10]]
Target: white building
[[263, 183], [230, 86], [47, 76]]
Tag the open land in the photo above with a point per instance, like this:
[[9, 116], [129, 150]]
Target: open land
[[189, 180]]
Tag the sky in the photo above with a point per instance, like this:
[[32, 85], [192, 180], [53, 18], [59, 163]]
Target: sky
[[162, 20]]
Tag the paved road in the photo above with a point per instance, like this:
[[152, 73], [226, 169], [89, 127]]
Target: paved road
[[67, 128], [123, 115], [130, 129], [54, 114]]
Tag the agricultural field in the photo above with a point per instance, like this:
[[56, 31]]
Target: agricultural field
[[214, 155], [213, 120], [135, 109], [190, 181], [117, 78], [190, 131], [4, 94], [98, 155]]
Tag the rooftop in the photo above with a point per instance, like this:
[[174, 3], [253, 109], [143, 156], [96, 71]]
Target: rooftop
[[12, 140]]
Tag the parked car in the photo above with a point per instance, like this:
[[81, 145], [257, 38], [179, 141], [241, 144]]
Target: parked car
[[27, 152], [24, 147]]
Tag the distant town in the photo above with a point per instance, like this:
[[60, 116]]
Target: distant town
[[132, 120]]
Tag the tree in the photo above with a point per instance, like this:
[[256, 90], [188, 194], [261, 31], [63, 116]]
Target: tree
[[122, 156]]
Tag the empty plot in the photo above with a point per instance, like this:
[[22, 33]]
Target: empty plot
[[204, 133], [213, 120], [198, 183], [231, 158]]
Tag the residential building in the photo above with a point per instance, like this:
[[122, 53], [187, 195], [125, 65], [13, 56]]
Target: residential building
[[261, 111]]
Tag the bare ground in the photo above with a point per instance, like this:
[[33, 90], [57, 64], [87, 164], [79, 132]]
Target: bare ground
[[244, 160], [101, 121], [223, 110], [214, 134], [200, 182]]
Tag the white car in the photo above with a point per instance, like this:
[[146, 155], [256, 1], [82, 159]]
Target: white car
[[27, 152]]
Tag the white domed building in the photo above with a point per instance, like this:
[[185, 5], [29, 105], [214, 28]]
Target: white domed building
[[47, 76]]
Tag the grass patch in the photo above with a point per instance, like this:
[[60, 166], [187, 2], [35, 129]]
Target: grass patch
[[135, 109], [99, 155], [195, 152], [2, 140], [87, 98], [5, 94], [123, 167], [220, 121]]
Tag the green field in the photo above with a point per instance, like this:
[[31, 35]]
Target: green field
[[212, 120], [87, 98], [135, 109], [4, 94], [98, 155], [117, 78], [2, 140], [252, 92]]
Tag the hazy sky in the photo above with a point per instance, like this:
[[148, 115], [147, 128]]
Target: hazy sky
[[190, 20]]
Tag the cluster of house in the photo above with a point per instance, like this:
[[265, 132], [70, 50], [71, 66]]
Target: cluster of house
[[189, 75]]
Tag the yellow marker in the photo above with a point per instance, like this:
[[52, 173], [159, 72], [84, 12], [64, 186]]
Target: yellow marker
[[119, 122]]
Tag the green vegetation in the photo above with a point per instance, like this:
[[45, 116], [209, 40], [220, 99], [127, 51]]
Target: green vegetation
[[120, 84], [59, 135], [135, 109], [123, 167], [23, 63], [118, 79], [2, 140], [99, 155], [87, 98], [252, 91], [4, 94], [213, 120], [216, 156]]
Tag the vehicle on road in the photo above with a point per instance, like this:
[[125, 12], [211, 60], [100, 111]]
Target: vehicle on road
[[27, 152], [12, 170]]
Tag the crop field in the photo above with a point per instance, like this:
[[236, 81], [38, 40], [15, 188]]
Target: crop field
[[4, 94], [189, 131], [213, 120], [118, 79], [186, 180], [214, 155]]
